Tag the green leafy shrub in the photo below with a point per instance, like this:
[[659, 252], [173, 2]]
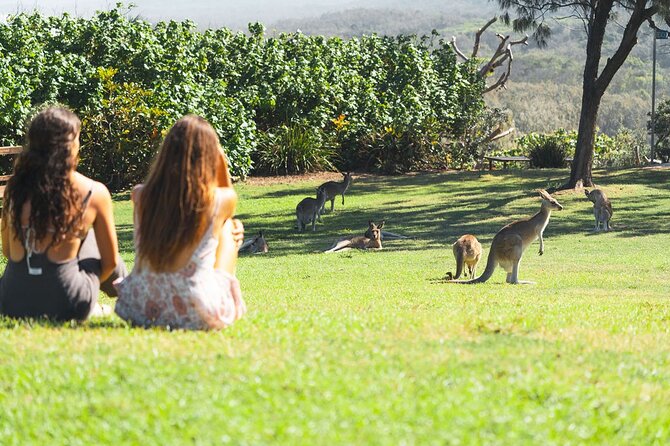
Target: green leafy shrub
[[110, 133], [294, 149], [394, 151], [623, 150], [130, 80], [549, 153]]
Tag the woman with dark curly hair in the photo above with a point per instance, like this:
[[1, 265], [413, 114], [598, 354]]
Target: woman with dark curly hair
[[55, 262]]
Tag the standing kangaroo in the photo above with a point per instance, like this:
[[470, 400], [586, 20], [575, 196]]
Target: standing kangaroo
[[602, 208], [309, 210], [334, 188], [361, 241], [467, 252], [511, 241], [256, 244]]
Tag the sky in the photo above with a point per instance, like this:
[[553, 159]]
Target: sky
[[216, 13]]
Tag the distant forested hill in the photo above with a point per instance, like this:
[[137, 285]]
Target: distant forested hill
[[545, 89]]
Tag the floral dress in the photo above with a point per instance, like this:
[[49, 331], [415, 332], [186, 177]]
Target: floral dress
[[196, 297]]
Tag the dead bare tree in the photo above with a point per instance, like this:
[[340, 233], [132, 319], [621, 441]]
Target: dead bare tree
[[503, 54]]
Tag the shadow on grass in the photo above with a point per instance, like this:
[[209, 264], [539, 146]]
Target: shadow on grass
[[8, 323], [435, 209]]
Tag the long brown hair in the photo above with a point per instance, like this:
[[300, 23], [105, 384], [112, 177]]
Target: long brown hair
[[177, 199], [42, 177]]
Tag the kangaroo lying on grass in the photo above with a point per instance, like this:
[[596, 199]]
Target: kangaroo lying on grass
[[467, 252], [334, 188], [385, 235], [309, 210], [602, 208], [256, 244], [511, 241], [360, 241]]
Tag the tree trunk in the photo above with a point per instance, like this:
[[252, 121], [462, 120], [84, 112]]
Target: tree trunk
[[580, 174], [592, 93]]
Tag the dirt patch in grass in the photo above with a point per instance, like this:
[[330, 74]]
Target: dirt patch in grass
[[321, 176]]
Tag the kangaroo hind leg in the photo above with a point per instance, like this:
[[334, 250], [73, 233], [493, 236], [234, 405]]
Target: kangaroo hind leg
[[341, 245], [515, 276]]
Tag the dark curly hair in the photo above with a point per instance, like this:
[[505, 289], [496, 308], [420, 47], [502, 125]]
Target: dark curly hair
[[42, 177]]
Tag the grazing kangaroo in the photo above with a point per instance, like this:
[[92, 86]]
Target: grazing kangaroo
[[334, 188], [309, 209], [256, 244], [602, 208], [360, 241], [467, 251], [511, 241]]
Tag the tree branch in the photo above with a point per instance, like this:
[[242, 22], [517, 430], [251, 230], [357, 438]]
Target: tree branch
[[478, 36], [457, 50], [629, 39]]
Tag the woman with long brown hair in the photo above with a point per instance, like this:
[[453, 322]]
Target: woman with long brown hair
[[55, 263], [186, 240]]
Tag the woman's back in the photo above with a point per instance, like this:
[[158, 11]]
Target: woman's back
[[58, 250], [191, 292], [55, 264], [185, 246]]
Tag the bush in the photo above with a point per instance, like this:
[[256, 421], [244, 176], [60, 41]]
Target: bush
[[624, 150], [394, 151], [121, 135], [549, 153], [130, 81], [294, 149]]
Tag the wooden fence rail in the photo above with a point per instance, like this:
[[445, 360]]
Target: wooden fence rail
[[6, 151]]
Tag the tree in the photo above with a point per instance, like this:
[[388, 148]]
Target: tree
[[662, 131], [491, 124], [595, 15]]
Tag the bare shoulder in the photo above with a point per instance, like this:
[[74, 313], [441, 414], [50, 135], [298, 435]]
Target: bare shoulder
[[84, 184], [136, 191], [227, 201]]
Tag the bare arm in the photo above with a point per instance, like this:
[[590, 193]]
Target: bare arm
[[105, 231], [4, 228], [231, 232]]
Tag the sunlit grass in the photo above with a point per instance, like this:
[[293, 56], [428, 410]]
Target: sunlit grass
[[374, 347]]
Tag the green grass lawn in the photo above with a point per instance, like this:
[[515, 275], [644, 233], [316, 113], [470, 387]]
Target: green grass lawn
[[374, 347]]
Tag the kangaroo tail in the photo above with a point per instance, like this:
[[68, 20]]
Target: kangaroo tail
[[488, 272], [459, 264]]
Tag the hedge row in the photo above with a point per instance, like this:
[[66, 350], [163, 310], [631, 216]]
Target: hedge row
[[376, 103]]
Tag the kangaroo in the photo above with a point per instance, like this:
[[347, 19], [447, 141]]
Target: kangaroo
[[360, 242], [385, 235], [602, 208], [511, 241], [334, 188], [309, 209], [256, 244], [467, 251]]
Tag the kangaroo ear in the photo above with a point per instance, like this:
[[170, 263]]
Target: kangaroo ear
[[260, 233], [381, 225]]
